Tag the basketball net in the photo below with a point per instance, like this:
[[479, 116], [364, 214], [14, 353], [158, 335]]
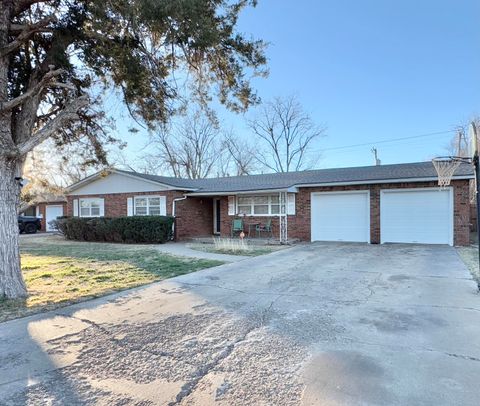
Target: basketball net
[[445, 168]]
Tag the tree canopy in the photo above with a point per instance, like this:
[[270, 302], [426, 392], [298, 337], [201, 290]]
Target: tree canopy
[[57, 57], [59, 50]]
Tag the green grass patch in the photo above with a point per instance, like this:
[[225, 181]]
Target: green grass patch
[[60, 272]]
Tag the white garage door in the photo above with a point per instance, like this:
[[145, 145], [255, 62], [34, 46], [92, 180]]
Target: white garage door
[[51, 213], [422, 216], [342, 216]]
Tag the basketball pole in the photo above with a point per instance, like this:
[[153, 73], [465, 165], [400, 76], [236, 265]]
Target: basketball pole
[[446, 166], [476, 166], [477, 183]]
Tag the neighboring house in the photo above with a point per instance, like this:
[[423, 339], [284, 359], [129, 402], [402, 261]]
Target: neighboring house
[[47, 207], [375, 204]]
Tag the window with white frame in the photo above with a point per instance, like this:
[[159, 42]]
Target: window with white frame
[[266, 205], [148, 205], [90, 207]]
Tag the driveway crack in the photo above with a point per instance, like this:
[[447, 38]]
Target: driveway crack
[[189, 387], [418, 349]]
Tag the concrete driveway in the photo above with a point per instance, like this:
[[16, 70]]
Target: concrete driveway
[[321, 324]]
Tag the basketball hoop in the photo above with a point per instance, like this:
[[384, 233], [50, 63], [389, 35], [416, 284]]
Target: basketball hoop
[[445, 167]]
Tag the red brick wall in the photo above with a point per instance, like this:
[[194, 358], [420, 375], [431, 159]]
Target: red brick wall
[[461, 225], [194, 215], [473, 217], [42, 208], [299, 225]]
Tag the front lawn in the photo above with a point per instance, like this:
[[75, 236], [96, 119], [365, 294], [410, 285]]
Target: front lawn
[[59, 272]]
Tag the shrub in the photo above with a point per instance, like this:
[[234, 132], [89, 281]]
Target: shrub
[[135, 229]]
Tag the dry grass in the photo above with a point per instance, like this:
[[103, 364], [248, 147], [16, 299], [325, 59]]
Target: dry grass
[[235, 246], [231, 245], [59, 272], [469, 256]]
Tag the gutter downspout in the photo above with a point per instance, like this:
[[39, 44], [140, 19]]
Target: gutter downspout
[[178, 199]]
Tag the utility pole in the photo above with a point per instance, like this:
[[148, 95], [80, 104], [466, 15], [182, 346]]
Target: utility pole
[[375, 154], [462, 144]]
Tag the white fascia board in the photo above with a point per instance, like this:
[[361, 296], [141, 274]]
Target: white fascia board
[[95, 176], [382, 181], [245, 192], [170, 187], [83, 182]]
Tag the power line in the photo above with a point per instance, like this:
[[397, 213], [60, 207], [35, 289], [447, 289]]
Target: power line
[[383, 141]]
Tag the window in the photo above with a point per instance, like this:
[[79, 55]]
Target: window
[[150, 206], [258, 205], [91, 207]]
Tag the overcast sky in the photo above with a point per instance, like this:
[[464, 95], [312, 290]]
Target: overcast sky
[[369, 70]]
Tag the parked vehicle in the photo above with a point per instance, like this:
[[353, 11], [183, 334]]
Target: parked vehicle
[[29, 224]]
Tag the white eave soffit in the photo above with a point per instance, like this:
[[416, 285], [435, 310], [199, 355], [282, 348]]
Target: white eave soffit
[[383, 181], [244, 192]]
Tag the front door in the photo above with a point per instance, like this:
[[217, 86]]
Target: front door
[[216, 216]]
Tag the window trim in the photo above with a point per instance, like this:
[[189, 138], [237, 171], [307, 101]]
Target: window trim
[[160, 197], [252, 205], [90, 200]]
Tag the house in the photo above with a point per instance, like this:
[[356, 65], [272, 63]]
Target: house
[[46, 206], [373, 204]]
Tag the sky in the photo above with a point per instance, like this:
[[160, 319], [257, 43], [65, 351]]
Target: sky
[[370, 71]]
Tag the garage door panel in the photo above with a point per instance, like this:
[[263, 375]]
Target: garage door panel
[[340, 217], [417, 216], [51, 213]]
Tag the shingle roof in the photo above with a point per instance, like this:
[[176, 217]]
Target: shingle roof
[[179, 183], [365, 174]]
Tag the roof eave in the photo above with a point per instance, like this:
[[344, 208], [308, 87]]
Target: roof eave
[[95, 176], [291, 189], [381, 181]]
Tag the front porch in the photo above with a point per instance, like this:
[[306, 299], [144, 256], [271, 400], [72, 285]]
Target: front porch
[[203, 217]]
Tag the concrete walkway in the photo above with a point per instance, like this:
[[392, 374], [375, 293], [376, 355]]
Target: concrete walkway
[[182, 249], [319, 324]]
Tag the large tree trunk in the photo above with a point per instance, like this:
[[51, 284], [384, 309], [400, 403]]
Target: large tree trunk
[[11, 280]]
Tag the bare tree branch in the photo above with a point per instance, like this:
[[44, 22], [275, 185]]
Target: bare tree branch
[[26, 32], [189, 149], [287, 132], [69, 113], [34, 90], [242, 154]]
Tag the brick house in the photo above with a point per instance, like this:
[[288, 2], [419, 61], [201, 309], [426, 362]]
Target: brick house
[[47, 207], [373, 204]]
